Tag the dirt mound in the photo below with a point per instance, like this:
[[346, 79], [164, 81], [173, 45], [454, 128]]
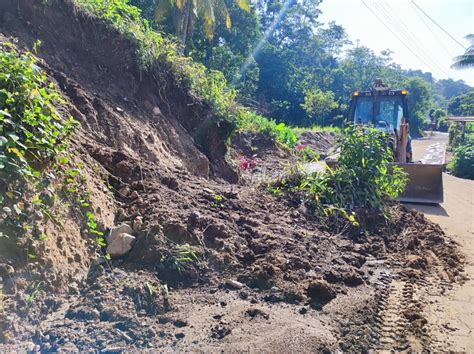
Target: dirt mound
[[320, 142], [269, 158], [215, 265]]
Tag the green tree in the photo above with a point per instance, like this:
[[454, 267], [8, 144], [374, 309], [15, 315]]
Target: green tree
[[230, 50], [462, 105], [333, 38], [419, 102], [318, 105]]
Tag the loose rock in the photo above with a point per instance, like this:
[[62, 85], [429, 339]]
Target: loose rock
[[234, 284], [120, 245], [114, 232]]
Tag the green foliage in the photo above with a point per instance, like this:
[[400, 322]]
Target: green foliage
[[438, 119], [364, 178], [317, 129], [448, 88], [184, 14], [462, 164], [180, 258], [462, 105], [466, 60], [366, 156], [318, 104], [250, 121], [442, 124], [306, 153], [34, 163], [33, 138], [218, 200], [418, 103], [31, 130]]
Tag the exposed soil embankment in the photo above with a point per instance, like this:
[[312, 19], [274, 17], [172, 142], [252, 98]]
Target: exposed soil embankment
[[142, 114], [257, 272]]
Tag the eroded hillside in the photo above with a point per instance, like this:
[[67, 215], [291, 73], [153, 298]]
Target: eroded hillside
[[217, 263]]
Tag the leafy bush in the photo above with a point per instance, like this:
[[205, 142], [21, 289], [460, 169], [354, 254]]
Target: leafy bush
[[364, 177], [319, 104], [442, 124], [250, 121], [34, 163], [462, 164], [31, 130]]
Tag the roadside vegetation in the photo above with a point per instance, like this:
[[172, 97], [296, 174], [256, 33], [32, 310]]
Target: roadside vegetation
[[462, 164], [38, 175], [33, 136], [361, 183], [462, 142]]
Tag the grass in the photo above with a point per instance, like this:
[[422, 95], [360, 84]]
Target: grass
[[316, 129]]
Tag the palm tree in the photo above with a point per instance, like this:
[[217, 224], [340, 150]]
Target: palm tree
[[467, 59], [186, 12]]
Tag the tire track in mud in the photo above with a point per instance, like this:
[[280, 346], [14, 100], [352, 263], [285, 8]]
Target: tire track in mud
[[397, 296]]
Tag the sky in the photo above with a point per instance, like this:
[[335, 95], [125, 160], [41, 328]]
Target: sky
[[435, 49]]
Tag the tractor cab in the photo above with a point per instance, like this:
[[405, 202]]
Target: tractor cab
[[386, 110], [381, 107]]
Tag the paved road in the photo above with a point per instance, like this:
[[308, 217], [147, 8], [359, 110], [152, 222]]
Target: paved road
[[451, 316]]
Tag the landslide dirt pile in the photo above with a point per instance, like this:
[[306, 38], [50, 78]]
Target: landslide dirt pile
[[215, 265], [320, 142]]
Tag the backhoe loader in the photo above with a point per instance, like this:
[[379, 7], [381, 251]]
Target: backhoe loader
[[387, 110]]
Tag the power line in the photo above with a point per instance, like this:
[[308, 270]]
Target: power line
[[403, 29], [407, 29], [396, 36], [432, 32], [437, 24]]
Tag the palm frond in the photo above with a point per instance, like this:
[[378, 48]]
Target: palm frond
[[243, 4], [467, 59], [463, 62]]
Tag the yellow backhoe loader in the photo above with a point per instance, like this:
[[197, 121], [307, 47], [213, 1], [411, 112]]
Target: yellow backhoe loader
[[387, 110]]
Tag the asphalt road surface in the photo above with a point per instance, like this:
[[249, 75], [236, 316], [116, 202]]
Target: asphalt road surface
[[451, 315]]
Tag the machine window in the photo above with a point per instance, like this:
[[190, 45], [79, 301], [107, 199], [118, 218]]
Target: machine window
[[388, 112]]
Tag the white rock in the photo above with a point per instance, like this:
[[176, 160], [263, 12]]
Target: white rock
[[156, 111], [207, 190], [234, 284], [120, 245], [115, 231], [125, 190], [137, 223]]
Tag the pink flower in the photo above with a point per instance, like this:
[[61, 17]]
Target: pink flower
[[300, 147], [247, 164]]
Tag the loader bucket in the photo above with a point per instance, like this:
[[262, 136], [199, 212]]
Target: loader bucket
[[425, 183]]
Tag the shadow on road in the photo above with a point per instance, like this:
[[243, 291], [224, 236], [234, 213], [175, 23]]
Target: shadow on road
[[430, 209]]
